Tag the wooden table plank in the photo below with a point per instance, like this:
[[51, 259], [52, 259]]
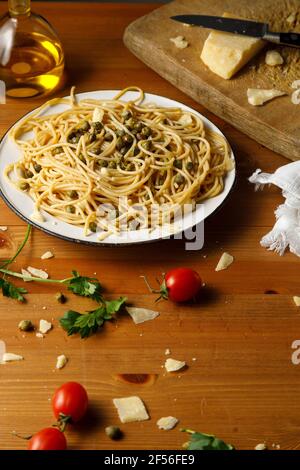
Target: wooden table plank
[[243, 385]]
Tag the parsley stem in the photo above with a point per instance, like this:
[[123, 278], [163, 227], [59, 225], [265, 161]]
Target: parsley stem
[[11, 260], [32, 278]]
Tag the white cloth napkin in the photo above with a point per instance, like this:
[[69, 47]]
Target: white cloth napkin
[[286, 231]]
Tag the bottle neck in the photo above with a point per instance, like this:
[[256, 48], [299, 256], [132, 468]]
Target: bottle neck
[[19, 7]]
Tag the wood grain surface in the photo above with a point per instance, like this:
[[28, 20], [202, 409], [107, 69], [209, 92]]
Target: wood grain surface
[[273, 124], [242, 386]]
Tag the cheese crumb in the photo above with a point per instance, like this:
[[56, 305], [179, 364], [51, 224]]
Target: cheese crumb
[[47, 255], [261, 446], [3, 228], [224, 262], [39, 335], [172, 365], [97, 115], [273, 58], [167, 352], [130, 409], [26, 273], [180, 42], [10, 357], [257, 97], [185, 120], [61, 361], [45, 326], [140, 315], [296, 299], [167, 423], [38, 272]]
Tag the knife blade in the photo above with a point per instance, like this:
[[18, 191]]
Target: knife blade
[[243, 27]]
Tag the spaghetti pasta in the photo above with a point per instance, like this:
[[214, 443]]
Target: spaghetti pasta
[[97, 160]]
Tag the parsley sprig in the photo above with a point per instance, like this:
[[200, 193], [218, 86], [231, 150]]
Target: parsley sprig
[[201, 441]]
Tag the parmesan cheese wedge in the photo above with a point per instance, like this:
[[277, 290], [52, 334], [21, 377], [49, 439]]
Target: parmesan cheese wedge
[[38, 272], [224, 262], [45, 326], [47, 255], [273, 58], [167, 423], [10, 357], [226, 53], [172, 365], [257, 96], [296, 299], [180, 42], [140, 315], [130, 409], [26, 273]]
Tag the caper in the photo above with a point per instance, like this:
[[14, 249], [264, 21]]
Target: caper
[[37, 167], [28, 174], [113, 432], [98, 126], [102, 163], [146, 131], [120, 132], [161, 181], [108, 137], [93, 227], [147, 145], [177, 163], [60, 297], [57, 150], [112, 165], [179, 179], [70, 209], [129, 167], [136, 151], [138, 126], [25, 325], [139, 136], [24, 186], [189, 166], [128, 138], [130, 123], [123, 150], [92, 137], [126, 115], [85, 126], [74, 137], [72, 194]]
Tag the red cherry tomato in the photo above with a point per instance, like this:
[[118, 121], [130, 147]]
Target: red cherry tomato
[[181, 284], [48, 439], [71, 401]]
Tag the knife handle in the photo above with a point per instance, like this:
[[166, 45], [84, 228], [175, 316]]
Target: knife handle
[[290, 39]]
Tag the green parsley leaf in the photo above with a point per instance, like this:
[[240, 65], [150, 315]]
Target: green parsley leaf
[[88, 323], [85, 286], [200, 441], [10, 290]]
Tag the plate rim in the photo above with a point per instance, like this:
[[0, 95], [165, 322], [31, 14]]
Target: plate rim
[[103, 243]]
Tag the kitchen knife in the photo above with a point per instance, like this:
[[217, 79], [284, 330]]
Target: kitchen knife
[[243, 27]]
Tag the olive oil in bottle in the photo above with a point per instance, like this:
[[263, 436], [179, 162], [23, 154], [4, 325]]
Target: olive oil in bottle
[[33, 62]]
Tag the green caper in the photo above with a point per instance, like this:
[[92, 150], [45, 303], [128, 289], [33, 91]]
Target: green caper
[[102, 163], [189, 166], [70, 209], [37, 167], [57, 150], [25, 325], [85, 126], [146, 131], [139, 136], [123, 150], [74, 137], [24, 186], [138, 126], [161, 181], [179, 179], [72, 194], [92, 137], [129, 167], [108, 137], [147, 145], [120, 132], [126, 115], [98, 126], [60, 297], [28, 174], [93, 227], [112, 165], [177, 163], [128, 138], [130, 123], [136, 151], [113, 432]]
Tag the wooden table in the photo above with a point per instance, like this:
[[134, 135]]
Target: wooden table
[[243, 386]]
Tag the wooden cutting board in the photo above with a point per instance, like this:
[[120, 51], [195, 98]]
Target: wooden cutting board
[[276, 124]]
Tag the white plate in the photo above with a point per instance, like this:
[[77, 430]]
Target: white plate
[[22, 204]]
